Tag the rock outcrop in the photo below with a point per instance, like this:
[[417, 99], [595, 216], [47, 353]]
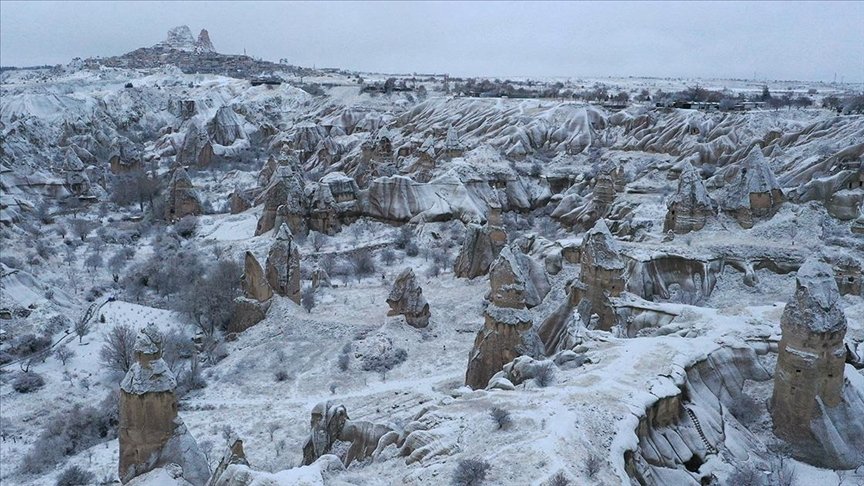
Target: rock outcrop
[[517, 283], [285, 191], [196, 149], [226, 127], [151, 434], [481, 247], [755, 194], [406, 299], [603, 276], [251, 308], [331, 423], [812, 355], [691, 206], [182, 199], [204, 44], [282, 268]]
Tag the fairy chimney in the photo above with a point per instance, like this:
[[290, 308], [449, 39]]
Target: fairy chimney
[[811, 353], [756, 194], [406, 298], [602, 273], [690, 207], [282, 268]]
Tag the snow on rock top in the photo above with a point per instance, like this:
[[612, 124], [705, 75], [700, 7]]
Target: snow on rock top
[[603, 247], [179, 38], [815, 304], [150, 374], [204, 44]]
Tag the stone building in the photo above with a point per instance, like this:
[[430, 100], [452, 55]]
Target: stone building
[[691, 206], [810, 364]]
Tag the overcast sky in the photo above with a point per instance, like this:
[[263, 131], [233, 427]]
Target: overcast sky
[[784, 40]]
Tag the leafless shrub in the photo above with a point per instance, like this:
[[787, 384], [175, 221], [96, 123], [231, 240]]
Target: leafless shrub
[[545, 374], [470, 472], [746, 475], [501, 417], [63, 353], [592, 465], [307, 298], [559, 479]]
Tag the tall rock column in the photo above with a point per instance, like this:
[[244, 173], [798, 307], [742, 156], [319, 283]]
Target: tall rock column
[[602, 273], [151, 433], [282, 267], [811, 354]]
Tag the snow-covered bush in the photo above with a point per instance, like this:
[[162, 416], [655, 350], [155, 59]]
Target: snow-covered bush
[[559, 479], [30, 343], [27, 382], [187, 226], [281, 375], [501, 417], [384, 362], [592, 465], [69, 431], [307, 298], [470, 472], [75, 476], [545, 374]]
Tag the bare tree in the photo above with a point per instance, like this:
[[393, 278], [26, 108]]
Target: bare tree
[[363, 263], [63, 353], [118, 351], [82, 228], [82, 328]]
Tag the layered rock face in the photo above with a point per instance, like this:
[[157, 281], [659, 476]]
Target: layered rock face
[[334, 201], [603, 275], [811, 358], [182, 200], [226, 127], [518, 283], [406, 298], [756, 194], [204, 44], [283, 265], [690, 207], [150, 432]]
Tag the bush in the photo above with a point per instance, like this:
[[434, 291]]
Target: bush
[[281, 375], [75, 476], [27, 382], [412, 250], [187, 226], [404, 237], [501, 417], [559, 479], [362, 263], [384, 362], [746, 475], [545, 374], [592, 465], [470, 472], [71, 431], [29, 344]]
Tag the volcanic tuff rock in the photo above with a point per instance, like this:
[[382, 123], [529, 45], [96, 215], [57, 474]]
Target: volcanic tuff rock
[[151, 434], [755, 194], [182, 200], [481, 247], [196, 149], [602, 273], [406, 298], [330, 423], [285, 189], [204, 44], [517, 280], [254, 283], [811, 354], [283, 265], [691, 206]]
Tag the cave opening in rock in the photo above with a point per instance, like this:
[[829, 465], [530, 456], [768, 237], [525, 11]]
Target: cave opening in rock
[[694, 463]]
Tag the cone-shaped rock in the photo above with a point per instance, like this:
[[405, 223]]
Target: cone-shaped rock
[[406, 298]]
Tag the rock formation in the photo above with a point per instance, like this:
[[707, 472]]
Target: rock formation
[[204, 44], [756, 194], [196, 148], [283, 265], [603, 275], [179, 38], [406, 298], [331, 423], [285, 189], [181, 200], [517, 283], [225, 128], [481, 247], [251, 308], [151, 434], [810, 364], [690, 207]]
